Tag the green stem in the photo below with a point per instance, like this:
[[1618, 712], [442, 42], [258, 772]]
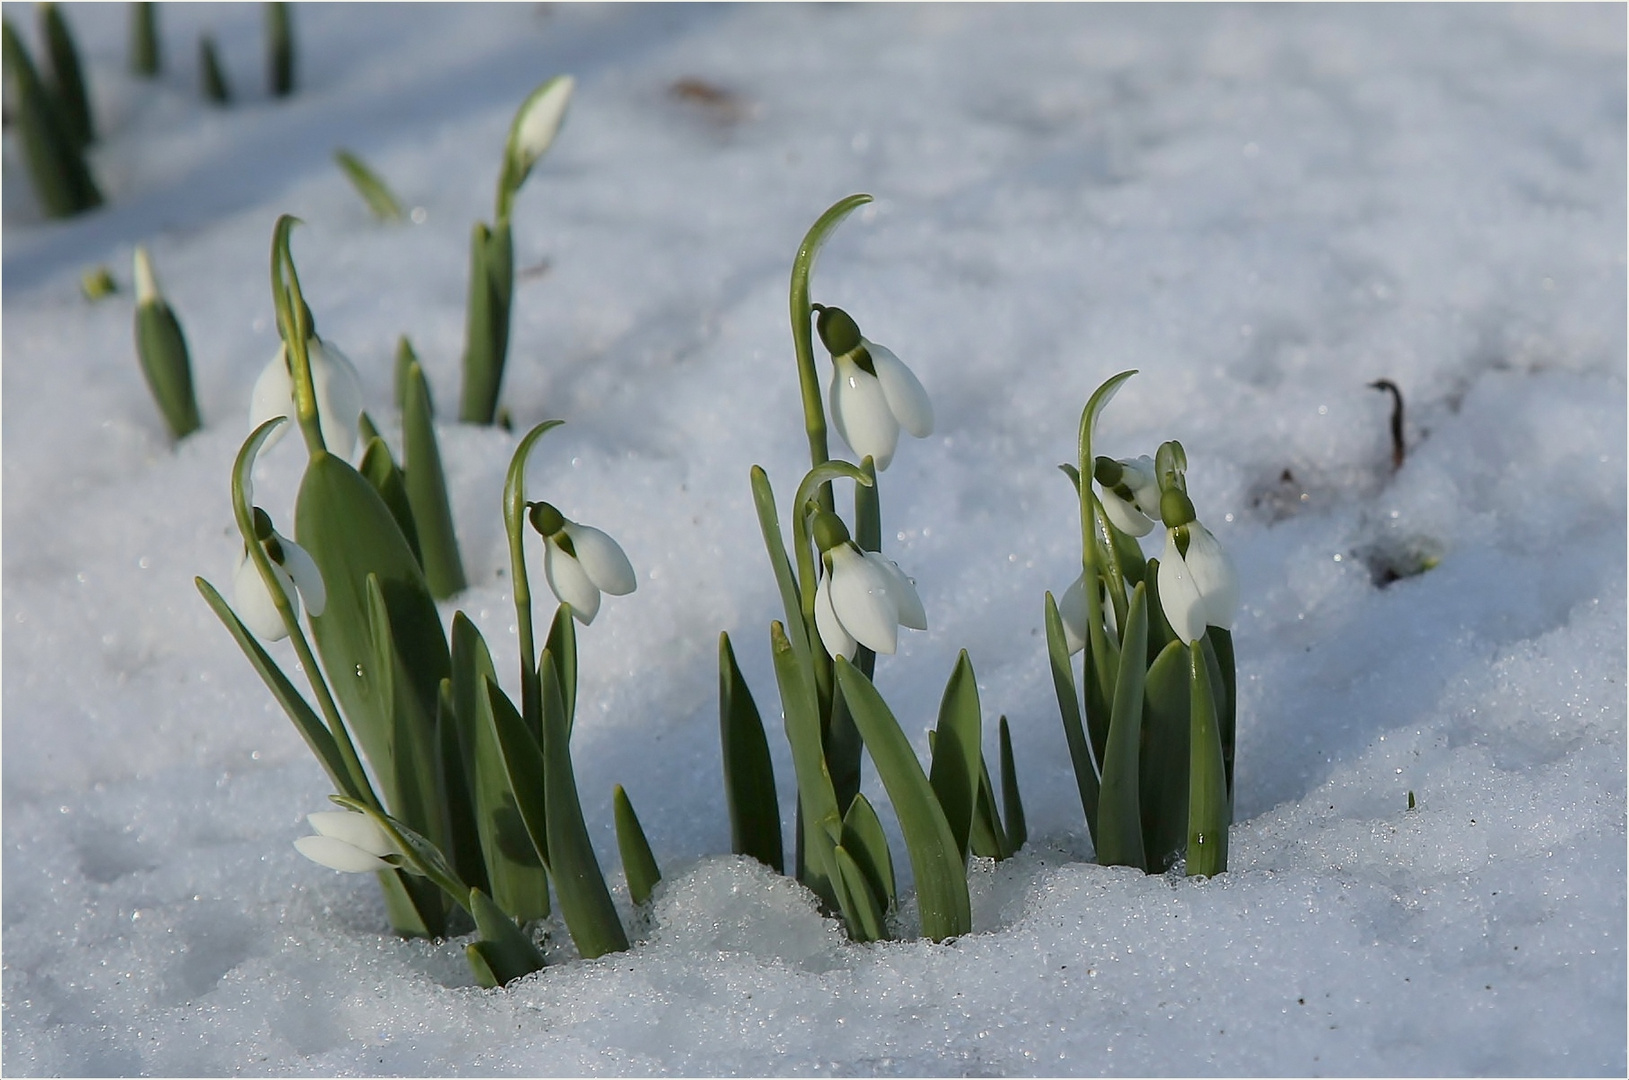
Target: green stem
[[514, 523], [294, 323]]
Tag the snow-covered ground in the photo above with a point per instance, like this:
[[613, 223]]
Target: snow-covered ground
[[1263, 209]]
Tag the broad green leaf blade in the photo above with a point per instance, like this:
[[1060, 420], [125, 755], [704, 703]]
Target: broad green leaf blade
[[418, 798], [1160, 634], [483, 357], [350, 534], [455, 771], [507, 953], [380, 470], [162, 349], [1207, 779], [306, 721], [867, 845], [1074, 732], [988, 839], [817, 801], [584, 900], [426, 487], [514, 865], [279, 49], [522, 758], [749, 772], [861, 911], [1119, 813], [416, 907], [66, 77], [638, 863], [956, 754], [405, 358], [763, 498], [479, 967], [562, 646], [374, 191], [1164, 764], [1224, 684], [941, 876], [1012, 801]]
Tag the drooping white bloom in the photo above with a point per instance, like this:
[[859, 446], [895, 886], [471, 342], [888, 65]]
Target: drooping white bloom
[[581, 562], [536, 125], [1134, 516], [1072, 613], [869, 409], [297, 575], [339, 395], [348, 841], [863, 600], [1198, 589]]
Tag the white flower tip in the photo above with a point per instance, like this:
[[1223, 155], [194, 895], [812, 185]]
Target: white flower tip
[[254, 604], [336, 854], [307, 578], [357, 829], [146, 281], [906, 398], [539, 120], [861, 413], [603, 560]]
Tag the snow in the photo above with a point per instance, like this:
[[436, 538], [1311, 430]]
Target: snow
[[1263, 209]]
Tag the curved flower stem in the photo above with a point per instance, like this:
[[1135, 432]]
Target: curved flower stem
[[814, 414], [514, 524], [294, 324], [244, 515], [1091, 511]]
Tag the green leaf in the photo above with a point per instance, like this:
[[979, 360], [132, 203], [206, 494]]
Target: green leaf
[[426, 488], [1160, 634], [483, 358], [562, 647], [455, 770], [1224, 683], [638, 863], [279, 49], [380, 470], [418, 796], [507, 954], [957, 757], [749, 772], [144, 54], [306, 721], [350, 533], [1164, 764], [860, 908], [478, 965], [584, 900], [867, 845], [941, 876], [503, 779], [210, 73], [1074, 732], [66, 77], [816, 798], [763, 498], [405, 358], [987, 839], [1207, 779], [1119, 813], [1012, 801], [373, 190], [62, 182]]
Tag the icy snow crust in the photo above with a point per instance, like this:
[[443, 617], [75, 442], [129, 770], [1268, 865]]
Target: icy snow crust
[[1262, 209]]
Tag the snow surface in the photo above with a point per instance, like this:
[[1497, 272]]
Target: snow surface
[[1263, 209]]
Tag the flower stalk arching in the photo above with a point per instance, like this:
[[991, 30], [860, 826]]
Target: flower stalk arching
[[514, 526], [294, 324], [1090, 513]]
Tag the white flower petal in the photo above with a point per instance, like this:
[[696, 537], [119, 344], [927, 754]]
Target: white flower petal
[[903, 591], [862, 598], [832, 635], [1072, 613], [539, 120], [273, 395], [1126, 517], [338, 855], [1144, 484], [860, 413], [1179, 596], [602, 559], [339, 396], [357, 830], [254, 604], [906, 398], [303, 569], [570, 582], [1213, 575]]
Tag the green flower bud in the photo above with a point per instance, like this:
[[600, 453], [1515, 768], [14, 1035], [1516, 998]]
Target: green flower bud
[[546, 519], [1176, 509], [829, 531], [1107, 471], [838, 332]]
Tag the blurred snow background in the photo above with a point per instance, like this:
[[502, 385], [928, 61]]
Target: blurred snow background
[[1263, 209]]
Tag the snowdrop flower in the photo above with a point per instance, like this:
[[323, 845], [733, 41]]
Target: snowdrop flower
[[1198, 585], [863, 597], [1072, 613], [339, 395], [297, 575], [348, 841], [535, 126], [1131, 493], [580, 562], [873, 393]]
